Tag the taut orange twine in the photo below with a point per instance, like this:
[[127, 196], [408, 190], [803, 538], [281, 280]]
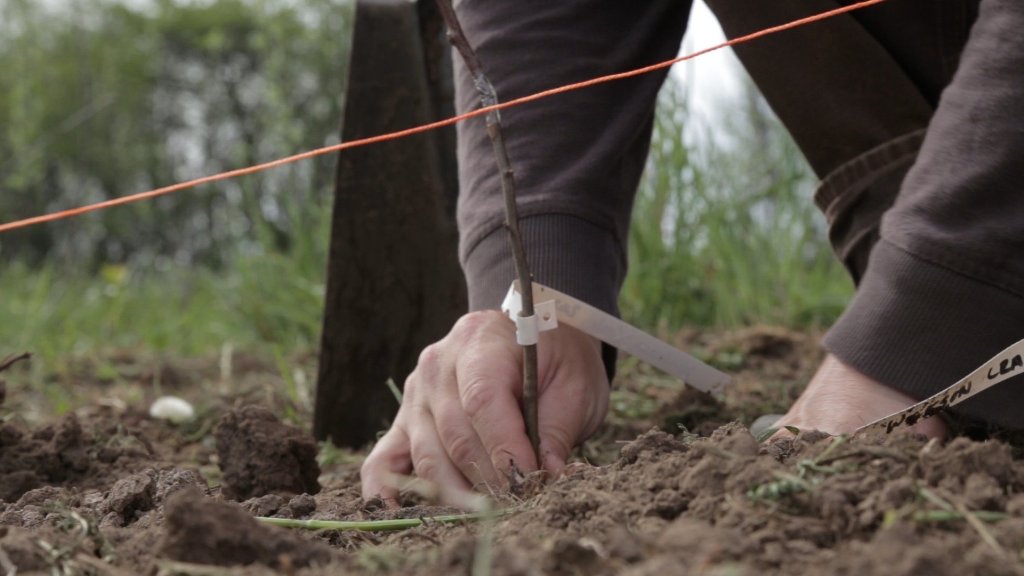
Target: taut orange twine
[[60, 215]]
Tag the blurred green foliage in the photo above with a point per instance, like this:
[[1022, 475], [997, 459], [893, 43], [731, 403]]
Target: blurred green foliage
[[271, 301], [724, 231], [100, 98], [104, 98]]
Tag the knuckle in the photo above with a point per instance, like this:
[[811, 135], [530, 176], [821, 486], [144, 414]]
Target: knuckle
[[420, 379], [458, 443], [430, 369], [476, 395], [419, 416], [426, 465], [410, 388], [412, 394], [474, 323], [430, 357]]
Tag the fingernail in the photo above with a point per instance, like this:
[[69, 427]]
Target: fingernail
[[513, 474]]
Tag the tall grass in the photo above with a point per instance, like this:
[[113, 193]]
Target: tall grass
[[724, 232], [263, 299]]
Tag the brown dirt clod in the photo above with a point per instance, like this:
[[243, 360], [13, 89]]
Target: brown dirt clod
[[50, 455], [261, 455], [201, 531], [132, 495]]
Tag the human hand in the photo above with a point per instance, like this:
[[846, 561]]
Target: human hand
[[839, 400], [461, 422]]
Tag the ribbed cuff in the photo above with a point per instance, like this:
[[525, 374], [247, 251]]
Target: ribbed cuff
[[919, 328], [566, 253]]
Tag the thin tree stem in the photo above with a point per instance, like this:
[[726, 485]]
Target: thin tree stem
[[12, 360], [488, 97]]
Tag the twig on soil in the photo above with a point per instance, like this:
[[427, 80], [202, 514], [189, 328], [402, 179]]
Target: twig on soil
[[953, 516], [171, 568], [980, 528], [871, 451], [99, 565], [934, 498], [810, 473], [12, 360], [489, 97], [956, 510], [381, 525]]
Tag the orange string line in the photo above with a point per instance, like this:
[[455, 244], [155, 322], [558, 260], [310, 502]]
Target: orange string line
[[60, 215]]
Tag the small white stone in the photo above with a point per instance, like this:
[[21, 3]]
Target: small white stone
[[173, 409]]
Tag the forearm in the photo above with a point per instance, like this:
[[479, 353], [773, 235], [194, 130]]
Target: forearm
[[944, 289], [577, 157]]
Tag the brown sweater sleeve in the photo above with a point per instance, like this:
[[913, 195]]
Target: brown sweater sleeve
[[944, 287], [577, 157]]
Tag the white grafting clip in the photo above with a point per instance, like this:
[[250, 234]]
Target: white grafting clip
[[611, 330], [528, 328]]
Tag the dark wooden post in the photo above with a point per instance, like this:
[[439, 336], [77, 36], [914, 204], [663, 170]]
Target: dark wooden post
[[393, 281]]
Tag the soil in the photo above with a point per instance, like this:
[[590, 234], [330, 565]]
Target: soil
[[260, 455], [673, 484]]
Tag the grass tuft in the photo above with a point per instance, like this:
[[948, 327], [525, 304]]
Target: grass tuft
[[724, 230]]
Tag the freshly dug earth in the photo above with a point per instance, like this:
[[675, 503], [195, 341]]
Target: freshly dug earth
[[203, 532], [261, 455], [100, 491]]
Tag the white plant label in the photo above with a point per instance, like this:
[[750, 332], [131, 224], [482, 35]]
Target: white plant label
[[1001, 367], [610, 330]]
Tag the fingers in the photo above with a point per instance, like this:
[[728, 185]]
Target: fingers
[[428, 455], [433, 388], [431, 435], [571, 411], [561, 419], [461, 422], [390, 456], [463, 445], [489, 380], [398, 453]]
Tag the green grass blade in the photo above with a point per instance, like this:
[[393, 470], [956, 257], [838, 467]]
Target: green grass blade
[[381, 525]]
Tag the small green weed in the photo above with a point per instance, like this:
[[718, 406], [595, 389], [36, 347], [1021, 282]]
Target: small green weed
[[809, 473]]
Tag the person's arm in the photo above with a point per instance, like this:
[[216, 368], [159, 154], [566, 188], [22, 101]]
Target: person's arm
[[944, 287], [577, 160]]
